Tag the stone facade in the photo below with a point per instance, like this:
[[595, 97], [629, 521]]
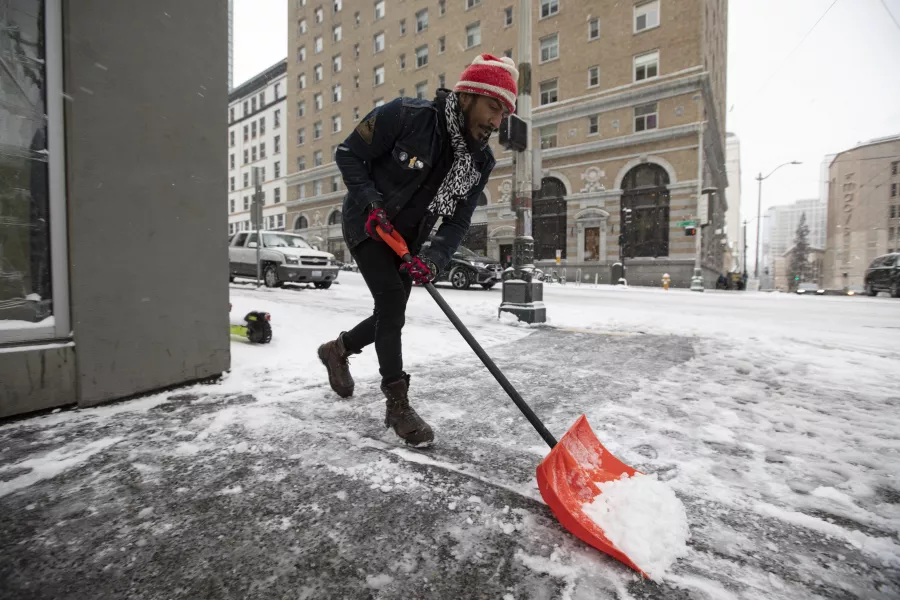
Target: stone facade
[[591, 111], [863, 210]]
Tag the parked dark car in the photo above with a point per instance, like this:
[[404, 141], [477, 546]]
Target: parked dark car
[[883, 275], [467, 268]]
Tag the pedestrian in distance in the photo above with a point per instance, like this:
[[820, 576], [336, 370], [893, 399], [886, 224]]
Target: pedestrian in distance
[[407, 164]]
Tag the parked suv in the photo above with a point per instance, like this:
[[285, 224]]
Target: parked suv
[[283, 258], [467, 267], [883, 275]]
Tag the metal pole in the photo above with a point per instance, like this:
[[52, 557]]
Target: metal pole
[[745, 249], [758, 225], [697, 279], [522, 295]]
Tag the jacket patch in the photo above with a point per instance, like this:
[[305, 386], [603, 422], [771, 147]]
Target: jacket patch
[[366, 129]]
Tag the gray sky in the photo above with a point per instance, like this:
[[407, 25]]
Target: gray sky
[[839, 87]]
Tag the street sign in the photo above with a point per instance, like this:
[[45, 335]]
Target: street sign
[[686, 224]]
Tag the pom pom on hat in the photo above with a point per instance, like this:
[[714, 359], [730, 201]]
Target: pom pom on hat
[[491, 76]]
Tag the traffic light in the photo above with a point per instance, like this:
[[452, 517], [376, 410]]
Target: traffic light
[[796, 278], [690, 231]]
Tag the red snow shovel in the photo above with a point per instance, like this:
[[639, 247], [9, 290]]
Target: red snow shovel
[[567, 475]]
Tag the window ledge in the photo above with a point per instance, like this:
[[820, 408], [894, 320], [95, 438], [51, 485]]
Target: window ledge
[[556, 14], [593, 135], [473, 46], [544, 62], [646, 29]]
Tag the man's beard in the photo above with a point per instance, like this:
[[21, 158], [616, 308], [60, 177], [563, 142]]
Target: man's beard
[[472, 141]]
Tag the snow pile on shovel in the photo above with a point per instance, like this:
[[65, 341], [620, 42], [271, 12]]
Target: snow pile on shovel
[[644, 519]]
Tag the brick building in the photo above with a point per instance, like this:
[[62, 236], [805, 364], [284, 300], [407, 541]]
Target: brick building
[[624, 92]]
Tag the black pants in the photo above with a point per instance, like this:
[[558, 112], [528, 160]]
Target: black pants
[[379, 266]]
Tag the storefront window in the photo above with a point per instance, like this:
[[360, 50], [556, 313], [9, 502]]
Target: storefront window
[[26, 276]]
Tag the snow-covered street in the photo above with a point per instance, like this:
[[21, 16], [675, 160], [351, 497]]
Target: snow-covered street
[[773, 417]]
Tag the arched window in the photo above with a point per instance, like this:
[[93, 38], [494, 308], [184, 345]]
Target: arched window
[[549, 220], [334, 218], [645, 193], [482, 200], [301, 223]]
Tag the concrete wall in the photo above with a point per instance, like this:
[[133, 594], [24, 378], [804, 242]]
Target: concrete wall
[[36, 379], [147, 183]]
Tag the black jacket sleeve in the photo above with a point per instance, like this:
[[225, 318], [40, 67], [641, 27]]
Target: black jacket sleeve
[[373, 137], [453, 229]]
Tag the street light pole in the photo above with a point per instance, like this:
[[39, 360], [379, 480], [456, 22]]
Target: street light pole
[[760, 179], [522, 295]]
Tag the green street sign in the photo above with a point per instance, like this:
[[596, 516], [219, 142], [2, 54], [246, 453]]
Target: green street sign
[[686, 224]]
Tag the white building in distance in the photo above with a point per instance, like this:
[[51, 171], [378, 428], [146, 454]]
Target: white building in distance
[[256, 138], [780, 228], [733, 227]]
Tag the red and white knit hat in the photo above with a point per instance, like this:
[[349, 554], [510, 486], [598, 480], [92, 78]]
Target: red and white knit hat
[[491, 76]]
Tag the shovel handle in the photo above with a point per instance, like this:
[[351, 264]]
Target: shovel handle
[[398, 244]]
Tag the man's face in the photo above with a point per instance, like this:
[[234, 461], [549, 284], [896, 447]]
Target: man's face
[[483, 115]]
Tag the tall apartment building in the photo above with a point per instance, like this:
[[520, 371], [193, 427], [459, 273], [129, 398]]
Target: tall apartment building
[[257, 134], [625, 94], [780, 229], [863, 209], [733, 226]]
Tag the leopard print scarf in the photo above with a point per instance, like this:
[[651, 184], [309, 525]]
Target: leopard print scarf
[[463, 175]]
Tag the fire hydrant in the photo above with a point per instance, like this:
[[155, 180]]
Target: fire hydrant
[[665, 281]]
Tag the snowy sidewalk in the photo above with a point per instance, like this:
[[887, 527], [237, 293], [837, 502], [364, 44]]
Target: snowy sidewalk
[[269, 486]]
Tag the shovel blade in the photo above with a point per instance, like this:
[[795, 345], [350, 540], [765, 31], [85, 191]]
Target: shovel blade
[[566, 479]]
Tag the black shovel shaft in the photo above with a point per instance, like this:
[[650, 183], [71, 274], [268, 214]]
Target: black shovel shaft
[[498, 375]]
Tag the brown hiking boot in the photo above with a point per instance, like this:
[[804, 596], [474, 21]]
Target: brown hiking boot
[[334, 356], [402, 417]]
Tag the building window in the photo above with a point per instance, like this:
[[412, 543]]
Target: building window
[[231, 115], [508, 53], [646, 66], [594, 29], [301, 27], [356, 50], [402, 27], [262, 99], [276, 145], [379, 102], [421, 56], [473, 35], [246, 156], [231, 161], [356, 17], [317, 130], [320, 15], [253, 104], [421, 90], [893, 190], [442, 7], [262, 125], [442, 44], [317, 100], [301, 136], [336, 185], [301, 53], [356, 81], [422, 20], [379, 10], [276, 119], [262, 149], [508, 16], [246, 180], [231, 138], [472, 3], [550, 48], [253, 154], [645, 117], [318, 73], [549, 8], [301, 163], [646, 16], [301, 223], [301, 108], [593, 125], [338, 5], [336, 94], [593, 77], [232, 205], [401, 61], [442, 81], [895, 167], [320, 44], [549, 92], [378, 75], [246, 108], [337, 33], [645, 193], [253, 128], [548, 137], [893, 212], [231, 183], [356, 113], [379, 43], [549, 219], [277, 169], [317, 187], [317, 158], [246, 202], [335, 123], [246, 133], [301, 81]]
